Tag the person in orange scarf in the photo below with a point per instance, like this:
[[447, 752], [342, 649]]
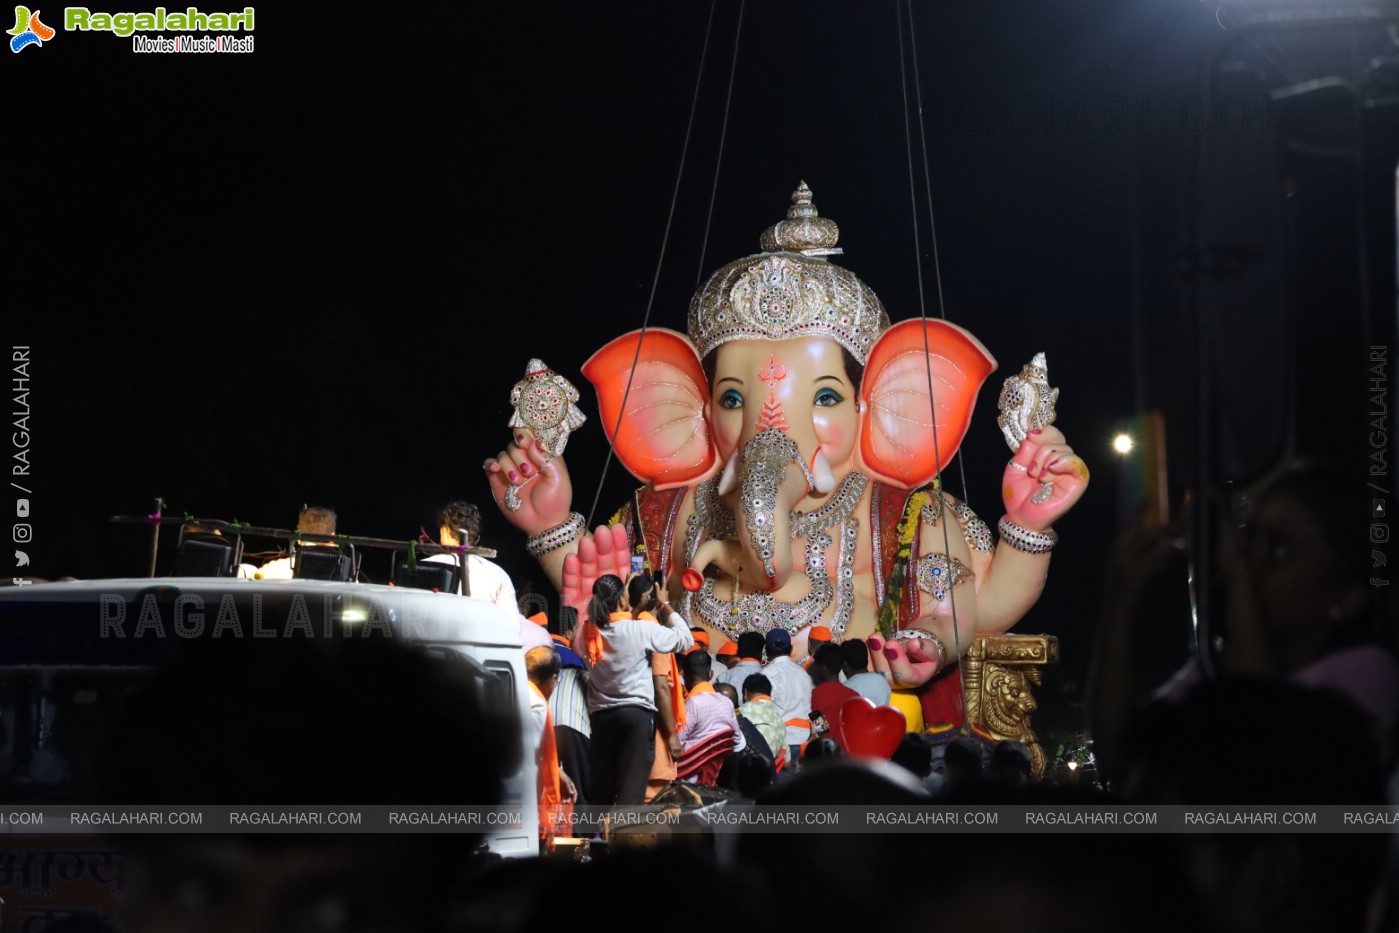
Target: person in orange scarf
[[701, 639], [669, 687], [707, 712], [818, 635], [622, 697], [556, 790]]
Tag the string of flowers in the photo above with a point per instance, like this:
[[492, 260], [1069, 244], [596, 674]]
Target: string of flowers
[[893, 592]]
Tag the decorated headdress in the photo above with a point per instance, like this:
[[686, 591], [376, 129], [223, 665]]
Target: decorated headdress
[[789, 290]]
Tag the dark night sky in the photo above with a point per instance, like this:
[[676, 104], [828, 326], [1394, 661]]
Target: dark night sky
[[312, 274]]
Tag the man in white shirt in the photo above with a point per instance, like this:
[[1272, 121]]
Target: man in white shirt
[[791, 690], [460, 520], [750, 662], [313, 520]]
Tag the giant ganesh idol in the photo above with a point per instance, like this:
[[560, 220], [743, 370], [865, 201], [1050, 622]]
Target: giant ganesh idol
[[790, 448]]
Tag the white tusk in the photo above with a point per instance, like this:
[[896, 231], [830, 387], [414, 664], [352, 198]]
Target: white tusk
[[821, 469], [730, 475]]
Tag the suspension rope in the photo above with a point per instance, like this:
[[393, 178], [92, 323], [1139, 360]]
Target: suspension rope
[[660, 260], [723, 134], [945, 516], [932, 218]]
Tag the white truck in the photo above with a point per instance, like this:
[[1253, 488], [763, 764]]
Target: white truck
[[72, 644]]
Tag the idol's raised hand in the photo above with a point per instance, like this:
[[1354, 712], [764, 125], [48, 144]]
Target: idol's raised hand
[[530, 486], [1043, 480], [606, 551]]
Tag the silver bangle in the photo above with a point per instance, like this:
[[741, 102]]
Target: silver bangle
[[1022, 539], [560, 535]]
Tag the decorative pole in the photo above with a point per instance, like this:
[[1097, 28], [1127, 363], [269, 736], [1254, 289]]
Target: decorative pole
[[155, 531]]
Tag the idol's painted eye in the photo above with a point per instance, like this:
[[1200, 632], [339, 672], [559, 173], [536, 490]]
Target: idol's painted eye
[[828, 398], [731, 399]]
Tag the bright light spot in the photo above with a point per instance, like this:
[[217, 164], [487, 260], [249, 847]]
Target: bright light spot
[[1073, 766], [354, 615], [1122, 443]]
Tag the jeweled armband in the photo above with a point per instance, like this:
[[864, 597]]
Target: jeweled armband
[[559, 536], [937, 574], [977, 533], [1022, 539]]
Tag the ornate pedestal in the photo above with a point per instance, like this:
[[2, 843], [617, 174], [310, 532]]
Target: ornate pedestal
[[997, 674]]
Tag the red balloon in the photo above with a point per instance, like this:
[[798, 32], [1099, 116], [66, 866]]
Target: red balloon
[[871, 731]]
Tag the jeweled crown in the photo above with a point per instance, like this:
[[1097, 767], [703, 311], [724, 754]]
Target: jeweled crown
[[788, 291]]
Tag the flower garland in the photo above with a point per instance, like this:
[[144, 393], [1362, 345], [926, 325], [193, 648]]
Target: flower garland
[[893, 591]]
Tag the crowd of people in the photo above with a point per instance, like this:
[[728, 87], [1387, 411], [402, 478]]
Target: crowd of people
[[630, 698], [639, 701]]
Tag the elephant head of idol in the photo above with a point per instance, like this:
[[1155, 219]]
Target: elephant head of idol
[[790, 380]]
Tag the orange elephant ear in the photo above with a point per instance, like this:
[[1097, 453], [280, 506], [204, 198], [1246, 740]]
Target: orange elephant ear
[[664, 438], [896, 429]]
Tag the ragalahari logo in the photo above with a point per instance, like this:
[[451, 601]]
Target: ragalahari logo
[[29, 30]]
